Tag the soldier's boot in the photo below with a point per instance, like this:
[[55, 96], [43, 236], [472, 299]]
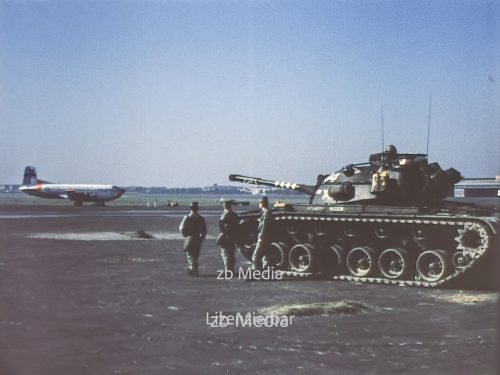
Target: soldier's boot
[[195, 271]]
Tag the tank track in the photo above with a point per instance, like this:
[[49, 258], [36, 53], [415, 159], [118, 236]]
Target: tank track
[[484, 227]]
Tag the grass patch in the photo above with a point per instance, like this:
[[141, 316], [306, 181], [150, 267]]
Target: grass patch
[[319, 308], [468, 298]]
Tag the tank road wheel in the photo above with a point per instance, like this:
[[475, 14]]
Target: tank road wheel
[[320, 229], [296, 232], [292, 229], [393, 263], [247, 244], [247, 235], [381, 232], [432, 265], [335, 260], [350, 232], [361, 261], [459, 260], [301, 258], [419, 233], [278, 256]]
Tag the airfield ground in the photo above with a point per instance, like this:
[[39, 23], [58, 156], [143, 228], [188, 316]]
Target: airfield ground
[[80, 294]]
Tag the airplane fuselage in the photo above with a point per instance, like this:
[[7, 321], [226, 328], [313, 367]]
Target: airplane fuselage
[[74, 192]]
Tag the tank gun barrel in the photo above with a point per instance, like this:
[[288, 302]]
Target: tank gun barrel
[[308, 189]]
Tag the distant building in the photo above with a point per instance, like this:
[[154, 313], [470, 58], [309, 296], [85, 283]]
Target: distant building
[[9, 188], [478, 187]]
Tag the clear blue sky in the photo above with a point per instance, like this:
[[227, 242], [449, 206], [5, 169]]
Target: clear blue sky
[[183, 93]]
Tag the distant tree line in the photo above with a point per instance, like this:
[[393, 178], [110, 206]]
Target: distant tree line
[[225, 190], [206, 190]]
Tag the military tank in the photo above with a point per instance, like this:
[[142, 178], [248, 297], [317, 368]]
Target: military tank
[[382, 221]]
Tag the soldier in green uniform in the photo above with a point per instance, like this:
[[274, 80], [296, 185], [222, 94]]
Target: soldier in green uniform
[[228, 225], [194, 230], [261, 253]]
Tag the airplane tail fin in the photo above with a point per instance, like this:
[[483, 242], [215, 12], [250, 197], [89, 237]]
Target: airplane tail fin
[[29, 176]]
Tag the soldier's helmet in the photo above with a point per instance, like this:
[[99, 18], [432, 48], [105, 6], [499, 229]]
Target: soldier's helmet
[[391, 150], [194, 205]]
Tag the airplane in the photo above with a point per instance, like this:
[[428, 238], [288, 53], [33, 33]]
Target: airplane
[[256, 190], [78, 193]]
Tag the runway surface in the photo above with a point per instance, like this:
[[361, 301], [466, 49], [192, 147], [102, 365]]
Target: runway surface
[[81, 293]]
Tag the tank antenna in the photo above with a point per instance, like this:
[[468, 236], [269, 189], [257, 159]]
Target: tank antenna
[[429, 124], [332, 156], [382, 128]]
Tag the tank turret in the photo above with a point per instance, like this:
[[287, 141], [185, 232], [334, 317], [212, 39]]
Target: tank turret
[[388, 178], [382, 221]]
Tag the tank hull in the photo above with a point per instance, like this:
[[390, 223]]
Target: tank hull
[[369, 243]]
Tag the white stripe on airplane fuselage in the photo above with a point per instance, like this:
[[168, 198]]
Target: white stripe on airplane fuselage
[[79, 187]]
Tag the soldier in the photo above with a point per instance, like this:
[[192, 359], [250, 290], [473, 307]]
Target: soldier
[[228, 225], [390, 155], [194, 230], [264, 237]]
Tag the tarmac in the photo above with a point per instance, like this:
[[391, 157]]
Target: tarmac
[[82, 293]]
